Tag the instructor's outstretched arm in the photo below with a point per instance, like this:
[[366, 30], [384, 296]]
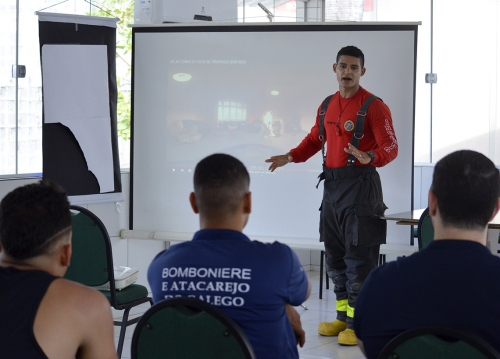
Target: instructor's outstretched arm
[[279, 161]]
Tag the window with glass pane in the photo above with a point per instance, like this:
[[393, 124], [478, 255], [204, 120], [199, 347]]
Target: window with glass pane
[[409, 10], [281, 11], [7, 87], [26, 128], [231, 112], [466, 60]]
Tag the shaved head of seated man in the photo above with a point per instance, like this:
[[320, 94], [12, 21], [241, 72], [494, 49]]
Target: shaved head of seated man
[[454, 280], [41, 314]]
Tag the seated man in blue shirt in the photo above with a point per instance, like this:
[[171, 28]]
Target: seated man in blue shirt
[[255, 283], [452, 282]]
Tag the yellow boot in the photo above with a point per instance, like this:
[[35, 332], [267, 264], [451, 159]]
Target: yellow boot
[[331, 329], [347, 337]]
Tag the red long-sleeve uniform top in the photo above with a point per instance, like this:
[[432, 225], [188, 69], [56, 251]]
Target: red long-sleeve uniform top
[[379, 136]]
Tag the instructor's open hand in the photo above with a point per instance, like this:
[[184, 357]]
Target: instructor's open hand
[[361, 156], [278, 161]]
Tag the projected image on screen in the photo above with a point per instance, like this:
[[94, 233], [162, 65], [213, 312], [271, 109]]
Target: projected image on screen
[[251, 94], [234, 103]]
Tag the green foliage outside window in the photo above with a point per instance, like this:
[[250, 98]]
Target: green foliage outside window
[[124, 10]]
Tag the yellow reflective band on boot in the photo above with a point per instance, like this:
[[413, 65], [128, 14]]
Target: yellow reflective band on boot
[[350, 311], [341, 305]]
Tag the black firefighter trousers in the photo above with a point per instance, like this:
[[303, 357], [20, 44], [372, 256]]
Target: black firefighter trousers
[[351, 228]]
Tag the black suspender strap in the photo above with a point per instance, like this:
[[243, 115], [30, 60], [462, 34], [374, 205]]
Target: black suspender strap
[[359, 127], [322, 112], [359, 130]]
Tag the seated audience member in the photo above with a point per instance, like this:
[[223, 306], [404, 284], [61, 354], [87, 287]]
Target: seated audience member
[[41, 314], [255, 283], [452, 282]]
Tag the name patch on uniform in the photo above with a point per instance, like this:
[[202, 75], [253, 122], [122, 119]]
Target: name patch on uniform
[[349, 125]]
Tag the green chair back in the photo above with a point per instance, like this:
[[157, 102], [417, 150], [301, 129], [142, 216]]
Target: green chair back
[[89, 264], [438, 343], [425, 231], [92, 265], [188, 328]]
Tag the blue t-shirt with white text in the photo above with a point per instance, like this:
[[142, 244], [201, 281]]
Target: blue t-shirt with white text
[[249, 280]]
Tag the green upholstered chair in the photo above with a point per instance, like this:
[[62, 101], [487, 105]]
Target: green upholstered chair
[[425, 231], [181, 328], [92, 265], [437, 342]]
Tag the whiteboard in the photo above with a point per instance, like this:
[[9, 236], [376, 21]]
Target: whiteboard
[[252, 91]]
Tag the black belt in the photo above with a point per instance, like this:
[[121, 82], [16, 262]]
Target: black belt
[[347, 172]]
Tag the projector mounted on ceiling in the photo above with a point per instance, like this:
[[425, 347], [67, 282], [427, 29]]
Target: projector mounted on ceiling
[[174, 11]]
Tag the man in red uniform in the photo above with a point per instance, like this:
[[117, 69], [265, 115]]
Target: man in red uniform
[[350, 223]]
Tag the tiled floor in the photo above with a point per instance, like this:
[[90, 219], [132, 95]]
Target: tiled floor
[[320, 310], [316, 346]]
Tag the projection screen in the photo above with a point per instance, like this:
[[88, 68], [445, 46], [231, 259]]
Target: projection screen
[[252, 91]]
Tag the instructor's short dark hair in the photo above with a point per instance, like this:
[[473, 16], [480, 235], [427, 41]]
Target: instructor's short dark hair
[[467, 186], [220, 183], [32, 218], [352, 51]]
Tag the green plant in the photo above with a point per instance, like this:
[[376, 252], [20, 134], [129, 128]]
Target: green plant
[[123, 10], [123, 114]]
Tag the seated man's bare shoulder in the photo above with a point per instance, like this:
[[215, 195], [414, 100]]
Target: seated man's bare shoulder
[[74, 320]]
